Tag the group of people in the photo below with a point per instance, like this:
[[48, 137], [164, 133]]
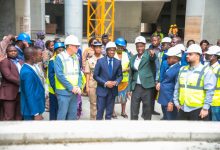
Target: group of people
[[185, 80]]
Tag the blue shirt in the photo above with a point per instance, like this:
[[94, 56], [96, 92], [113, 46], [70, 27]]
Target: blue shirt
[[209, 87], [51, 74]]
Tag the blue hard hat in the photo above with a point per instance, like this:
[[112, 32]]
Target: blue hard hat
[[24, 37], [58, 45], [120, 42]]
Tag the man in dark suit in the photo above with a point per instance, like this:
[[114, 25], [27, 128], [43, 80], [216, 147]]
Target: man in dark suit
[[141, 79], [9, 89], [108, 74], [32, 89]]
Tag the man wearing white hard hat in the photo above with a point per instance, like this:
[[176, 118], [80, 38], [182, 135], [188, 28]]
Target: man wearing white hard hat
[[68, 79], [212, 56], [166, 86], [108, 74], [195, 87], [141, 79]]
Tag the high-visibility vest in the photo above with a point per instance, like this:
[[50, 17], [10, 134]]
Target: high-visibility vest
[[125, 65], [71, 70], [47, 79], [191, 90], [216, 96]]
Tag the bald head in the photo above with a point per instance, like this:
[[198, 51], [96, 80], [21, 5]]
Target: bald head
[[29, 55]]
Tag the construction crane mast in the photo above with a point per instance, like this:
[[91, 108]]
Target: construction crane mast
[[100, 18]]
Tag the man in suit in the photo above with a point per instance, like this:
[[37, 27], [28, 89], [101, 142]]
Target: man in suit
[[32, 89], [9, 89], [141, 79], [167, 84], [108, 74]]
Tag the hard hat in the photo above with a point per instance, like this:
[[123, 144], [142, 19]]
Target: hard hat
[[97, 43], [24, 37], [194, 48], [71, 40], [140, 39], [166, 40], [174, 51], [181, 47], [120, 42], [213, 50], [58, 45], [110, 45]]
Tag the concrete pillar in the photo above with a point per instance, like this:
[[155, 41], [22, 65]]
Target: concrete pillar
[[128, 25], [37, 17], [7, 19], [202, 20], [73, 12], [23, 20], [174, 4]]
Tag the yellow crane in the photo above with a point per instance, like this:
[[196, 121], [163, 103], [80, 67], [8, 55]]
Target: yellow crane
[[100, 18]]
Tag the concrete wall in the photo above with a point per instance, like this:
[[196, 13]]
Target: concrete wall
[[211, 22], [128, 19], [202, 20], [7, 19], [37, 16]]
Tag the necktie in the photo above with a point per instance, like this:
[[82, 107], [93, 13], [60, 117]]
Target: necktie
[[110, 66]]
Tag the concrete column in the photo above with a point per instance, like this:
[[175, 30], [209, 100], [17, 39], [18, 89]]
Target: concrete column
[[174, 4], [7, 19], [37, 16], [73, 12], [128, 25], [202, 20], [23, 20]]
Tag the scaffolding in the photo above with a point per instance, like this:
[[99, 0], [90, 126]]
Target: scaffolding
[[100, 18]]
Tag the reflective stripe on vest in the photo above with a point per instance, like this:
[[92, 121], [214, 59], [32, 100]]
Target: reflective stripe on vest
[[125, 65], [216, 96], [70, 69], [191, 90], [47, 79]]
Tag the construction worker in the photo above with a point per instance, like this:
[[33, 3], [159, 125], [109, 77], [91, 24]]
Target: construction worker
[[68, 79], [195, 87], [58, 48], [123, 86], [91, 84], [23, 41], [212, 56], [159, 32], [166, 86]]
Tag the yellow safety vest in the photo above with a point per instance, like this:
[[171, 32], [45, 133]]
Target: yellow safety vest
[[47, 79], [125, 65], [192, 94], [71, 70], [216, 96]]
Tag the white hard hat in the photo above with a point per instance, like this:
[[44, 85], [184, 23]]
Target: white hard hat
[[71, 40], [110, 45], [181, 47], [166, 40], [173, 51], [194, 48], [213, 50], [140, 39]]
